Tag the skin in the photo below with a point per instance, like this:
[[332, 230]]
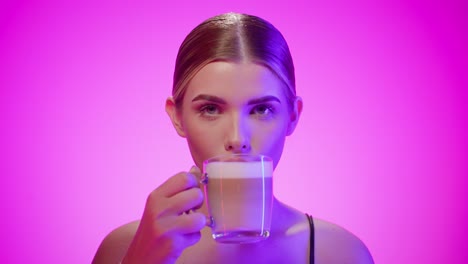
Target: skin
[[227, 108], [224, 113]]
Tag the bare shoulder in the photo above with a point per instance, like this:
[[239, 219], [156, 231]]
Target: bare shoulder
[[114, 246], [334, 244]]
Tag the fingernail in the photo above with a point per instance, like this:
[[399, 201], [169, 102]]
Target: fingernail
[[194, 168]]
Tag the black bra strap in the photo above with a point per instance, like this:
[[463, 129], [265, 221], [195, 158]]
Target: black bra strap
[[312, 239]]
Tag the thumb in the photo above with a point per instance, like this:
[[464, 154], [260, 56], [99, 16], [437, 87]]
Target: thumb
[[195, 171]]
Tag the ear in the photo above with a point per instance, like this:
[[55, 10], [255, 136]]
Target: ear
[[294, 115], [174, 115]]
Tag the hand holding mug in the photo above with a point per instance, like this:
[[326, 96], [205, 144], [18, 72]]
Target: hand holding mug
[[165, 228]]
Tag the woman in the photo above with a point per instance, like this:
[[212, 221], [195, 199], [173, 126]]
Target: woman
[[234, 92]]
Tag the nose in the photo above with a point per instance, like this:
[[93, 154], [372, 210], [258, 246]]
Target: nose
[[238, 135]]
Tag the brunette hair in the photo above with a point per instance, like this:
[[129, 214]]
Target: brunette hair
[[237, 38]]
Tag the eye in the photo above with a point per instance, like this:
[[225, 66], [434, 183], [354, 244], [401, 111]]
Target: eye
[[263, 110], [209, 109]]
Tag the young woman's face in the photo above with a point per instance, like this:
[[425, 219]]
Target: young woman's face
[[235, 108]]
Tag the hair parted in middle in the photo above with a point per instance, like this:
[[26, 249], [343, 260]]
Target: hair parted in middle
[[238, 38]]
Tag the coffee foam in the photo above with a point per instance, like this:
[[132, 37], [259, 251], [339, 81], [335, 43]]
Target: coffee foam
[[243, 170]]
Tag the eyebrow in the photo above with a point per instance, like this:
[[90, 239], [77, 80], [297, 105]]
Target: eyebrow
[[219, 100]]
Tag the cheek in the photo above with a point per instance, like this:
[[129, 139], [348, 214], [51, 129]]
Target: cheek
[[203, 141], [270, 142]]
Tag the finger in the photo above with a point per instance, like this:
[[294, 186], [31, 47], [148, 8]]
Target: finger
[[185, 201], [190, 223], [177, 183], [196, 172], [181, 225], [192, 238], [196, 207]]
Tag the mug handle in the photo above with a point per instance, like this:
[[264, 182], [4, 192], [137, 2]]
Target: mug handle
[[204, 181]]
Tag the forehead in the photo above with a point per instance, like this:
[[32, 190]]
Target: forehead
[[235, 81]]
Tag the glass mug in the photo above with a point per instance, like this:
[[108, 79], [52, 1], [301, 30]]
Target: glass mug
[[239, 193]]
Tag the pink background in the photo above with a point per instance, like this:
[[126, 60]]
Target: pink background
[[381, 148]]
